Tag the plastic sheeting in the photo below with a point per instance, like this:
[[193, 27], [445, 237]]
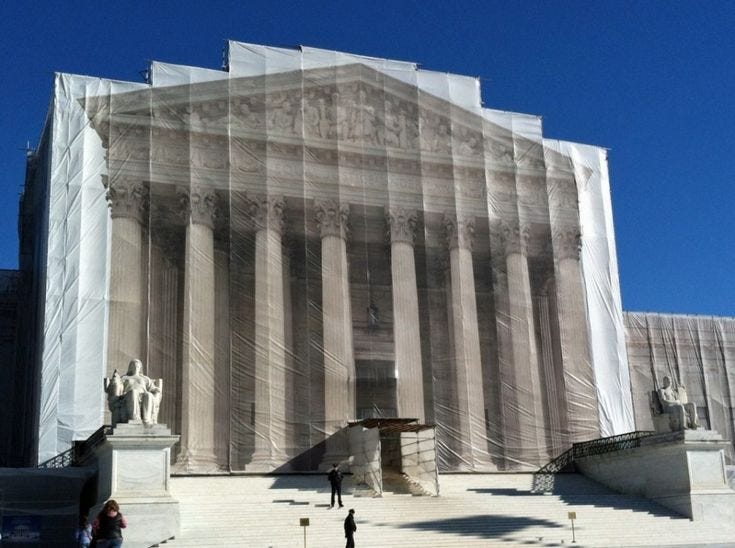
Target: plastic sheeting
[[366, 466], [697, 352], [602, 286], [75, 267], [418, 459], [312, 237]]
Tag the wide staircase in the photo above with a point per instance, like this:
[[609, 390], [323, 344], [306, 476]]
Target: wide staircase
[[473, 510]]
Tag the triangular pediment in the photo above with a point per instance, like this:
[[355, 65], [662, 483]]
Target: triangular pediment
[[352, 104]]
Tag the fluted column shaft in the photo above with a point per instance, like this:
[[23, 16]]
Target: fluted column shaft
[[128, 203], [406, 336], [339, 362], [468, 364], [198, 374], [270, 355], [526, 384], [579, 376]]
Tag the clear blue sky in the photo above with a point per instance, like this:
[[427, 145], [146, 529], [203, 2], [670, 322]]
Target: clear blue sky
[[654, 81]]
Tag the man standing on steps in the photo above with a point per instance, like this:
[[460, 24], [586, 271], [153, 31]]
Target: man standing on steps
[[350, 529], [335, 479]]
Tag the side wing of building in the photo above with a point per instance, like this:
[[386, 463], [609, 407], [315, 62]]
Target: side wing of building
[[697, 352]]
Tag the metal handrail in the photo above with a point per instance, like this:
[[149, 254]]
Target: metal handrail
[[612, 443], [62, 460], [543, 479], [78, 453], [84, 449]]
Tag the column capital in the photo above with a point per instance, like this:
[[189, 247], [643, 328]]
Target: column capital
[[515, 237], [567, 243], [198, 204], [563, 193], [460, 231], [267, 212], [401, 224], [127, 199], [332, 218]]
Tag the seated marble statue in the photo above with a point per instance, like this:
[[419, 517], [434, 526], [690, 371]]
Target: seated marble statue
[[675, 403], [134, 397]]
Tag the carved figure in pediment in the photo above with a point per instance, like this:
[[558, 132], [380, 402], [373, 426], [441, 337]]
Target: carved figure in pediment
[[344, 117], [442, 139], [370, 132], [282, 115], [353, 129], [469, 142], [312, 120], [195, 116], [428, 133], [298, 123], [325, 122], [409, 131], [397, 131], [499, 151], [393, 127], [213, 113], [247, 116]]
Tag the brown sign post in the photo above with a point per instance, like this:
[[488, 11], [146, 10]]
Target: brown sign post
[[572, 516], [304, 522]]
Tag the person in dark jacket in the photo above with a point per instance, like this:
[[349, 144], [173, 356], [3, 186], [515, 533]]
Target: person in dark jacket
[[107, 528], [350, 529], [335, 479]]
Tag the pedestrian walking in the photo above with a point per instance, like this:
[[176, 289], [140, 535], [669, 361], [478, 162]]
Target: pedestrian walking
[[335, 480], [350, 529]]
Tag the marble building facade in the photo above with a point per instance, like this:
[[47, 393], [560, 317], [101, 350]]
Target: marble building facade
[[294, 251], [306, 238]]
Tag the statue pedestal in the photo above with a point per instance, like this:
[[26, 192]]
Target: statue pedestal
[[683, 471], [134, 469]]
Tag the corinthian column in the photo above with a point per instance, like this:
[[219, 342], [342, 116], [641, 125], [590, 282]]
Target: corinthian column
[[407, 341], [468, 366], [579, 376], [339, 362], [525, 387], [270, 355], [128, 202], [199, 208]]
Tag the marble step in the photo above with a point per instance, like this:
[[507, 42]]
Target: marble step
[[473, 510]]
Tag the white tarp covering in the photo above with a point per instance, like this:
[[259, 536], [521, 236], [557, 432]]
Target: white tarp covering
[[697, 352], [602, 285], [244, 259], [167, 74], [366, 466], [418, 459], [76, 284]]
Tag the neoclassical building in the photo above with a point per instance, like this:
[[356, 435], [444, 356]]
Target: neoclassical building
[[307, 238]]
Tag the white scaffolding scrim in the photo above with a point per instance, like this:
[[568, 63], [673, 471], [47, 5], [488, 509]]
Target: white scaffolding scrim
[[307, 238]]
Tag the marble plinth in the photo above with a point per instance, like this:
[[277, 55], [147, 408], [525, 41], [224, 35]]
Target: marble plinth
[[684, 471], [134, 469]]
